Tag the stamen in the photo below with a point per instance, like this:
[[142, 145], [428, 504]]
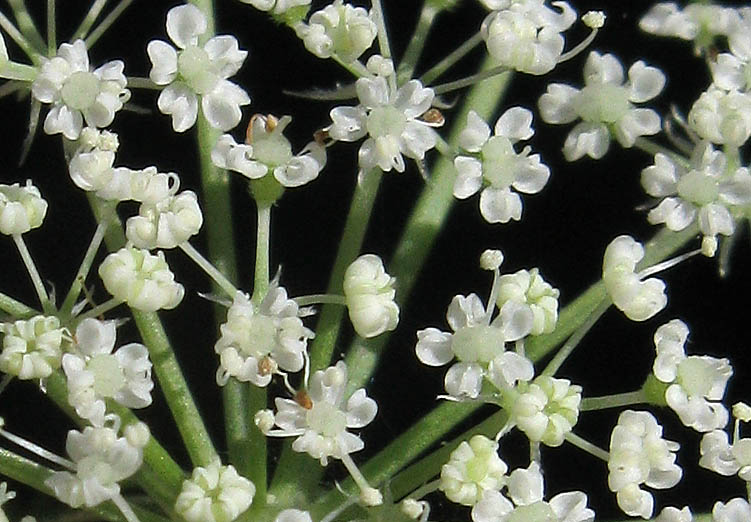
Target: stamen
[[659, 267], [369, 495]]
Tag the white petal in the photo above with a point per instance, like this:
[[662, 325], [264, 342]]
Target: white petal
[[464, 380], [557, 104], [660, 179], [644, 82], [635, 123], [178, 101], [413, 99], [75, 54], [592, 139], [184, 24], [602, 69], [163, 62], [361, 410], [221, 107], [372, 92], [515, 124], [348, 123], [475, 134], [434, 347], [526, 486], [60, 119], [469, 177], [225, 53], [531, 176], [500, 205]]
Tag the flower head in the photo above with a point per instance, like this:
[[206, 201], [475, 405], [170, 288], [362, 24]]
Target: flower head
[[722, 117], [102, 460], [369, 292], [339, 30], [166, 224], [77, 93], [214, 493], [321, 416], [473, 468], [696, 384], [32, 348], [605, 105], [257, 340], [639, 455], [526, 35], [21, 208], [495, 167], [94, 373], [391, 120], [192, 72], [529, 288], [141, 279], [638, 299]]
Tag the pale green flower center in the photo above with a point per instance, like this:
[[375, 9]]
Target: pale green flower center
[[326, 419], [273, 150], [695, 377], [80, 90], [195, 67], [539, 512], [698, 188], [499, 165], [606, 103], [477, 343], [261, 335], [386, 121], [477, 468], [108, 376]]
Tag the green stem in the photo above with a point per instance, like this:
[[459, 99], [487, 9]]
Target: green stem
[[135, 82], [18, 71], [424, 224], [417, 43], [573, 341], [89, 19], [383, 36], [101, 309], [26, 24], [106, 23], [587, 446], [653, 148], [613, 401], [210, 269], [83, 270], [469, 80], [313, 299], [33, 274], [51, 29], [19, 38], [263, 245], [449, 61], [16, 309]]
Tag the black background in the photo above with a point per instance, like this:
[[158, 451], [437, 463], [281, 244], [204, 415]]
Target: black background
[[564, 232]]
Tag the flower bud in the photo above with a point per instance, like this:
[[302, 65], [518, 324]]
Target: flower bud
[[141, 279], [369, 292], [167, 224], [215, 493], [31, 348], [338, 29], [21, 208], [491, 259], [473, 467]]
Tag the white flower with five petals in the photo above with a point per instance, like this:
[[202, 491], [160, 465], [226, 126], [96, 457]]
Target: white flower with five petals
[[166, 224], [474, 468], [497, 167], [214, 493], [722, 117], [339, 30], [192, 72], [605, 106], [77, 93]]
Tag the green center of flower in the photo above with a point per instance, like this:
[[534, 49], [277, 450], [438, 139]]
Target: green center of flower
[[195, 67], [80, 90], [108, 376], [605, 102], [261, 335], [326, 419], [477, 468], [386, 121], [272, 150], [499, 165], [698, 188], [695, 376], [538, 512], [477, 343]]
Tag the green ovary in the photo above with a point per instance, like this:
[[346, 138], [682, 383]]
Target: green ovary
[[195, 67], [477, 343], [326, 419], [603, 103], [499, 166], [537, 512], [698, 188], [80, 90], [108, 376], [386, 121], [695, 376]]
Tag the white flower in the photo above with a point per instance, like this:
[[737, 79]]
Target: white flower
[[94, 373], [276, 6], [32, 348], [167, 224], [141, 279], [700, 22], [605, 106], [257, 340], [545, 409], [476, 341], [529, 288], [672, 514], [638, 299], [192, 72], [732, 71], [339, 30], [473, 468], [708, 191], [321, 415], [497, 167], [724, 458], [526, 36], [526, 488], [391, 121], [369, 292], [102, 459], [736, 510], [77, 93], [215, 493], [268, 150], [91, 166], [639, 455], [293, 515], [696, 384], [722, 117], [21, 208]]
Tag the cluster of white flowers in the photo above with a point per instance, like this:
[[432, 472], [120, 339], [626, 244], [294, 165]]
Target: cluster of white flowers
[[605, 105], [698, 22], [21, 208], [32, 348], [495, 167], [639, 455], [369, 292], [214, 493]]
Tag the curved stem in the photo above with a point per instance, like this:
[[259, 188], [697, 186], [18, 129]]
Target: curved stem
[[613, 401], [307, 300], [83, 270], [587, 446], [89, 19], [20, 39], [26, 24], [16, 309], [33, 274], [210, 269], [469, 80], [102, 308], [449, 61], [417, 43], [106, 23]]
